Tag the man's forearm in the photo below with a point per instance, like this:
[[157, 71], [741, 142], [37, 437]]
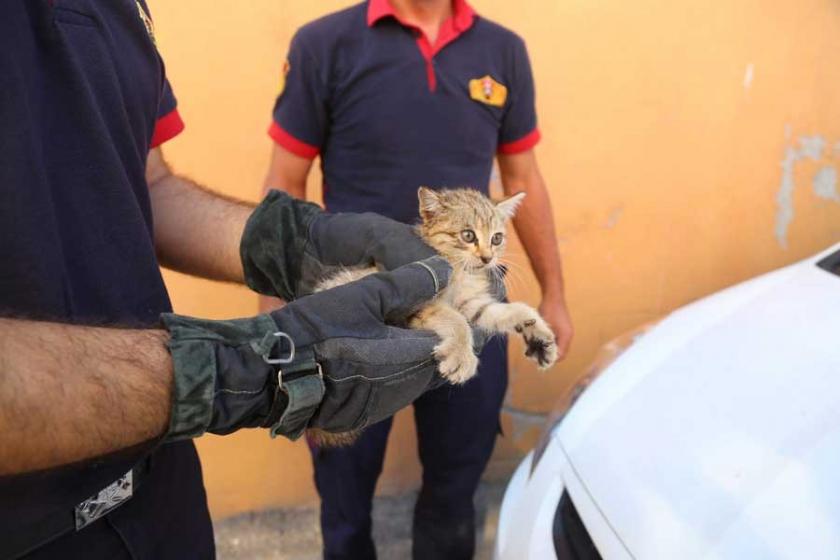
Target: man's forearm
[[534, 224], [69, 393], [197, 231]]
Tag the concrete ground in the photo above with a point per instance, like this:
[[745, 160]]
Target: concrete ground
[[294, 533]]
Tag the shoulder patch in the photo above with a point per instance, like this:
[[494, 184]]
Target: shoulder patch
[[147, 21], [283, 75], [489, 91]]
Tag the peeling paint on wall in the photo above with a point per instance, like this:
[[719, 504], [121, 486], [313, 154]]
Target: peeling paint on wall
[[748, 76], [824, 182], [784, 199], [812, 146], [614, 217]]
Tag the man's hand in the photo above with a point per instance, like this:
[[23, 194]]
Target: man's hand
[[337, 360], [556, 314], [289, 245]]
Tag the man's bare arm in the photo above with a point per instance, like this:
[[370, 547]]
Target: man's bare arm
[[534, 223], [69, 393], [197, 231], [287, 172]]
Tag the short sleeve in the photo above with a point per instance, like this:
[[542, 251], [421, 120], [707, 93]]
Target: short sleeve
[[519, 130], [300, 114], [169, 123]]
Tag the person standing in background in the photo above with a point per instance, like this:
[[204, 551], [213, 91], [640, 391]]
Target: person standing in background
[[392, 96]]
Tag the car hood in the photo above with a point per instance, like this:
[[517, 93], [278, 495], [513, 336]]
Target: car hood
[[718, 433]]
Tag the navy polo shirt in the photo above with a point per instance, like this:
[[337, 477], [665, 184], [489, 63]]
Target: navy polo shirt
[[83, 98], [388, 111]]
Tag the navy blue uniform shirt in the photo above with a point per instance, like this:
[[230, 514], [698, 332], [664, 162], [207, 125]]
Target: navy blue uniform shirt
[[388, 111], [83, 98]]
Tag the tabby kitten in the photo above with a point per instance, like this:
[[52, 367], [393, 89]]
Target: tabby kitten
[[468, 229]]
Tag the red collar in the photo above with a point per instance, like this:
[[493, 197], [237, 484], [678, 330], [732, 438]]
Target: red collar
[[461, 20]]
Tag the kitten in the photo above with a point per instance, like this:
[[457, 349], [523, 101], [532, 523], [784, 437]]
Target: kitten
[[468, 229]]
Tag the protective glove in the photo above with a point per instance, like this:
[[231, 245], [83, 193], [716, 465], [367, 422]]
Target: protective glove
[[289, 245], [336, 360]]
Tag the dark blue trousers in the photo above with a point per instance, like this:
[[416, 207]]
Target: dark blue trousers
[[456, 431], [167, 518]]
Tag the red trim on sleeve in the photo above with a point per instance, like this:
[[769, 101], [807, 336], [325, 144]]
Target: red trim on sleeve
[[167, 127], [523, 144], [291, 143]]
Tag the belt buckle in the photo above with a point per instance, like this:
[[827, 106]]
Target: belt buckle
[[104, 501]]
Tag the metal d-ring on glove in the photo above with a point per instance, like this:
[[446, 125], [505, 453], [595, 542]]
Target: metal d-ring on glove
[[353, 363], [287, 360]]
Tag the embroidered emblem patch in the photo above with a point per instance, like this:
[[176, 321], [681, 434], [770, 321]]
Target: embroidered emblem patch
[[283, 75], [489, 91], [147, 22]]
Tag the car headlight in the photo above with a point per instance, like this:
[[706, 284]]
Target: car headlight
[[608, 353]]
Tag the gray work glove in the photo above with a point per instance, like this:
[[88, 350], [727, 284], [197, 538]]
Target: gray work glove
[[289, 245], [337, 360]]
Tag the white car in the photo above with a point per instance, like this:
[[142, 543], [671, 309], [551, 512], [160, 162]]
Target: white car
[[713, 434]]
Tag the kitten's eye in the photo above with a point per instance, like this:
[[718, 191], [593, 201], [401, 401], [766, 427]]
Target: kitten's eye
[[468, 236], [497, 238]]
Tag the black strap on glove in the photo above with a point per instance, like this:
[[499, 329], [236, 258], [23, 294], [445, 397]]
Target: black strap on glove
[[337, 360], [289, 245]]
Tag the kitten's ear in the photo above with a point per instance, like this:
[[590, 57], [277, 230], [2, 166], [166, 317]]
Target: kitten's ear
[[429, 202], [509, 205]]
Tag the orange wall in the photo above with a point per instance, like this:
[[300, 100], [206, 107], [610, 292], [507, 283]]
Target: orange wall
[[672, 146]]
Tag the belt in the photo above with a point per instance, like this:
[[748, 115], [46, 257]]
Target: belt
[[82, 515]]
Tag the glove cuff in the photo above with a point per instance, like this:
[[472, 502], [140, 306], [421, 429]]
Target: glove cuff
[[200, 349], [240, 373], [273, 244]]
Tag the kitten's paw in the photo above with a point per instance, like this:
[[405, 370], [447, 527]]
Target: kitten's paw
[[540, 345], [456, 365]]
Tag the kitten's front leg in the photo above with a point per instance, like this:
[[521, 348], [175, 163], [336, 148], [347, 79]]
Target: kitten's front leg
[[494, 316], [455, 354]]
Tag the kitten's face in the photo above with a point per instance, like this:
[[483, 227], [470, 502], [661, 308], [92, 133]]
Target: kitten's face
[[465, 226]]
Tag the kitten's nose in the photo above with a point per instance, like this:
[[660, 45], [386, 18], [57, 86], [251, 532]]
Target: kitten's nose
[[486, 260]]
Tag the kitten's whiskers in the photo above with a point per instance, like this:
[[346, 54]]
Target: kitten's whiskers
[[515, 276]]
